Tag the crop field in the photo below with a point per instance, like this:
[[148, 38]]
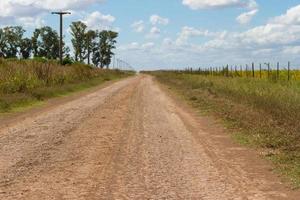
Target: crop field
[[271, 72], [261, 112], [23, 82]]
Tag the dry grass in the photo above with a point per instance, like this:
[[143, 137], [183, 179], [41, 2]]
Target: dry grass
[[262, 113], [24, 81]]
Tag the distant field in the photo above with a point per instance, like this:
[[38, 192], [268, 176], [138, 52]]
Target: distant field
[[260, 112], [270, 73], [26, 82]]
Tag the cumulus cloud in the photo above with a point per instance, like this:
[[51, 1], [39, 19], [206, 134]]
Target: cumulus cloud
[[155, 30], [246, 17], [210, 4], [31, 22], [188, 32], [50, 4], [154, 33], [291, 17], [31, 11], [135, 46], [97, 20], [280, 33], [291, 50], [158, 20], [138, 26], [148, 45], [277, 40]]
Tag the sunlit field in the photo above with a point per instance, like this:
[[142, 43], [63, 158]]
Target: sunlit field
[[263, 112], [23, 82]]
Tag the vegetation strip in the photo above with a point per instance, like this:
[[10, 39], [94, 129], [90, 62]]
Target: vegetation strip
[[260, 113], [27, 82]]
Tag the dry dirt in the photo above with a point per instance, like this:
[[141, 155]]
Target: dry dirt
[[129, 140]]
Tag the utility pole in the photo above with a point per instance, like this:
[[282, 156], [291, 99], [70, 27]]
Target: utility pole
[[61, 14]]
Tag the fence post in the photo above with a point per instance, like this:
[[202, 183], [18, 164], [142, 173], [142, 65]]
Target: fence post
[[241, 69], [278, 68], [268, 70], [235, 71], [227, 71], [259, 70], [289, 66], [253, 71]]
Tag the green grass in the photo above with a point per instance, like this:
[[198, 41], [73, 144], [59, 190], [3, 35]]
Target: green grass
[[28, 83], [260, 113]]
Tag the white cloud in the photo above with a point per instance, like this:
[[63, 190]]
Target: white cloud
[[280, 31], [158, 20], [291, 50], [155, 30], [97, 20], [210, 4], [138, 26], [56, 4], [135, 46], [154, 33], [188, 32], [291, 17], [31, 11], [131, 46], [277, 40], [31, 22], [148, 45], [246, 17], [252, 5]]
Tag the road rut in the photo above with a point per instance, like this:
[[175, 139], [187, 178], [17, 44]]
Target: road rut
[[129, 140]]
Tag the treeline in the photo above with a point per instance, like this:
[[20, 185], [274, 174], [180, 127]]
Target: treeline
[[90, 46]]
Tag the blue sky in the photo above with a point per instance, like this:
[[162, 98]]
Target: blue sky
[[157, 34]]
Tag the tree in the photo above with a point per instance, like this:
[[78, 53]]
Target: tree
[[2, 42], [26, 48], [96, 52], [45, 43], [102, 49], [107, 44], [78, 32], [10, 40], [90, 43]]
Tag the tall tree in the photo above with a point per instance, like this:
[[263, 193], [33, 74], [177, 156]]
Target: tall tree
[[10, 39], [90, 43], [78, 32], [45, 43], [2, 42], [96, 50], [26, 48], [106, 45]]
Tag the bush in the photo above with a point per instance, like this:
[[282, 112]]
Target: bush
[[67, 61], [40, 59]]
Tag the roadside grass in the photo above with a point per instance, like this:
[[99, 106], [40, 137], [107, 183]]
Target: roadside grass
[[28, 83], [260, 113]]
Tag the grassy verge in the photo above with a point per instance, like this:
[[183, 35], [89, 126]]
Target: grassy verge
[[260, 113], [28, 83]]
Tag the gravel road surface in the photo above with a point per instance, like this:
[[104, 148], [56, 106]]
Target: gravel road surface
[[129, 140]]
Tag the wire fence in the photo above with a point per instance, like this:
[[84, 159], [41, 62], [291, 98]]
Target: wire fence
[[121, 65], [274, 72]]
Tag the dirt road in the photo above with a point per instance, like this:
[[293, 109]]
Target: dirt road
[[129, 140]]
